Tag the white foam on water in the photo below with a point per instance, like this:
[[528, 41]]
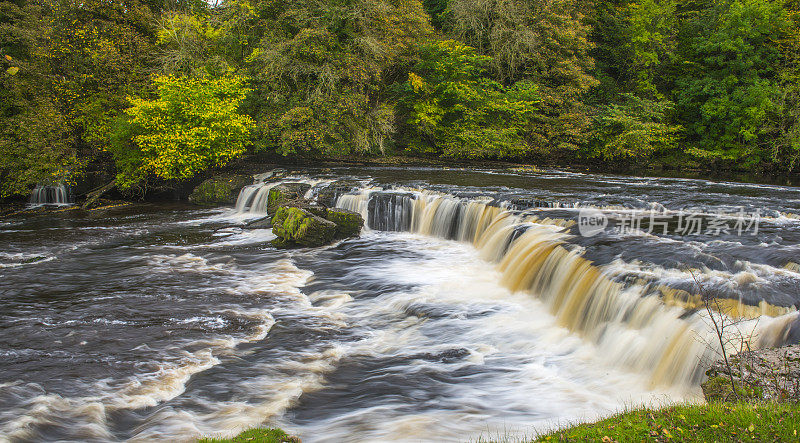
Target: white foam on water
[[14, 259], [536, 371], [86, 416]]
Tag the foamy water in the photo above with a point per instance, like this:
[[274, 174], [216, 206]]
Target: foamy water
[[455, 315]]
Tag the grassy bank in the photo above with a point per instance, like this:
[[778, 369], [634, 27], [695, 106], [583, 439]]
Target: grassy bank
[[258, 435], [711, 422], [714, 422]]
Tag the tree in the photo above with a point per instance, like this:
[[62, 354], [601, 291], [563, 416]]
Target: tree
[[320, 71], [453, 109], [649, 35], [191, 125], [634, 128], [70, 67], [35, 137], [545, 42], [784, 130], [729, 87], [191, 44]]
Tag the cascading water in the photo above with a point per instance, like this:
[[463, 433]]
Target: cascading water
[[253, 198], [50, 195], [632, 326], [470, 304]]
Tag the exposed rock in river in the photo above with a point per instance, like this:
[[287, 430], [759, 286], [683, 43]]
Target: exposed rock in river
[[300, 226], [219, 190], [259, 223], [348, 223], [328, 195], [302, 223], [284, 193]]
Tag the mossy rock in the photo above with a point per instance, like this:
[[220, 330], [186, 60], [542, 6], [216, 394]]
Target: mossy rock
[[348, 223], [280, 243], [302, 227], [284, 193], [318, 210], [219, 190]]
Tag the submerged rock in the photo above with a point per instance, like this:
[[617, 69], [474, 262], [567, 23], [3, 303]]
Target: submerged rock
[[259, 223], [301, 227], [285, 193], [348, 223], [219, 190]]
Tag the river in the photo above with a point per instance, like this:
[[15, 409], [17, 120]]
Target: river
[[475, 303]]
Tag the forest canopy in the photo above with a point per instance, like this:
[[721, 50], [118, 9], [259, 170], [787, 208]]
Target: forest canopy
[[162, 90]]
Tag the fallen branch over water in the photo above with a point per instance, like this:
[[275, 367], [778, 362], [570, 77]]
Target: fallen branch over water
[[92, 197]]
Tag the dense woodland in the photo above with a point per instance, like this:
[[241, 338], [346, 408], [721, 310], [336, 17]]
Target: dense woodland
[[159, 90]]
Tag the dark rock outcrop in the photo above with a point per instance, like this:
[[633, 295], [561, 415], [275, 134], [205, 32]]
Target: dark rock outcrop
[[259, 223], [329, 194], [219, 190]]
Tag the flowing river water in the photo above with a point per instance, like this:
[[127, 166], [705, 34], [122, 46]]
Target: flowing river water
[[471, 306]]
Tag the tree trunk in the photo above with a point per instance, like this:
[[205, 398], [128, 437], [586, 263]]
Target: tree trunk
[[91, 198]]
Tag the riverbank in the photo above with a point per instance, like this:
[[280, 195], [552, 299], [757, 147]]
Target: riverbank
[[746, 417], [258, 164], [719, 421]]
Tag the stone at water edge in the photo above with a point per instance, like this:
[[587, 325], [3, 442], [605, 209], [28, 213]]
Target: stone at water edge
[[284, 193], [764, 374], [219, 190], [302, 227], [348, 223], [259, 223], [329, 194]]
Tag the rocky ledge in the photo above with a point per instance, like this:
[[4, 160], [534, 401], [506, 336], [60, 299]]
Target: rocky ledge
[[219, 190], [766, 374]]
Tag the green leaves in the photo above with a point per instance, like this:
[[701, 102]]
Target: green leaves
[[453, 109], [729, 96], [193, 124], [321, 71], [634, 128]]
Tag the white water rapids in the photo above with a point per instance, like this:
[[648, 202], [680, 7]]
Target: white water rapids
[[455, 315]]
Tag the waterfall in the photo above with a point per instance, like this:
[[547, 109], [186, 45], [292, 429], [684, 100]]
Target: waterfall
[[631, 326], [253, 198], [50, 195]]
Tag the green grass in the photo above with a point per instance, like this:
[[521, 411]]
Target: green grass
[[257, 435], [715, 422]]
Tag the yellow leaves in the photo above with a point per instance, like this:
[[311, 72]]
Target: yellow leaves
[[417, 82], [8, 57], [192, 125], [12, 70]]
